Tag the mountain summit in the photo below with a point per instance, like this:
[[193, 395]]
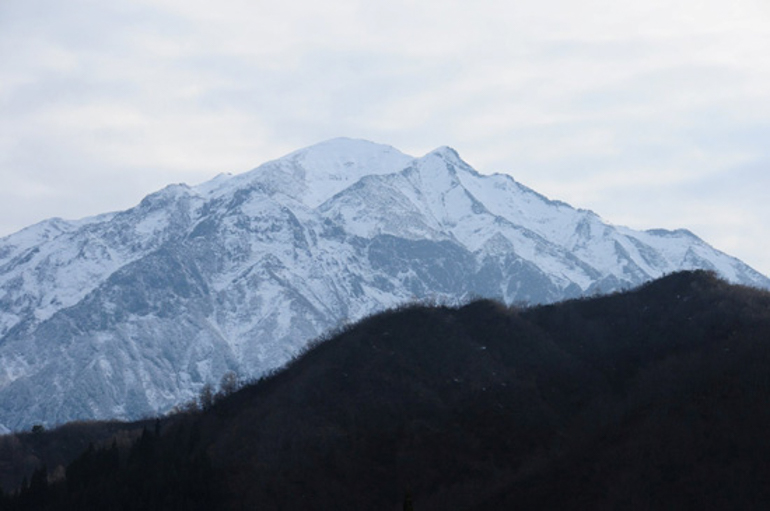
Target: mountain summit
[[129, 313]]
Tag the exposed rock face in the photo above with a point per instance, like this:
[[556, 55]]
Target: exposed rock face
[[129, 313]]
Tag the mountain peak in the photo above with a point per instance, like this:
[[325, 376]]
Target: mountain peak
[[240, 272], [347, 151], [314, 174], [446, 152], [449, 155], [325, 169]]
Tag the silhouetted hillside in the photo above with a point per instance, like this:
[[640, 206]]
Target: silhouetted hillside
[[22, 453], [654, 398]]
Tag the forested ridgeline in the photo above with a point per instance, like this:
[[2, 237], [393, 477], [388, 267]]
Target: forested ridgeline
[[654, 398]]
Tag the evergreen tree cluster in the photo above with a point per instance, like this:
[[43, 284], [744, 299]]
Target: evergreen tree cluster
[[152, 474]]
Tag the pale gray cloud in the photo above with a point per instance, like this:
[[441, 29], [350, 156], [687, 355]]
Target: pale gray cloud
[[650, 113]]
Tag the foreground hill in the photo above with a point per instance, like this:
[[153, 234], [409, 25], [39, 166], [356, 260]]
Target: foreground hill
[[125, 314], [654, 398]]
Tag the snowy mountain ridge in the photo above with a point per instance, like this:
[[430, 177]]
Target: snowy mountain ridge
[[129, 313]]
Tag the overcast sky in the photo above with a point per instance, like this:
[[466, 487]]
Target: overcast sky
[[651, 113]]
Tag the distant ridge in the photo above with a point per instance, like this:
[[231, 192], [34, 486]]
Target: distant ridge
[[129, 313]]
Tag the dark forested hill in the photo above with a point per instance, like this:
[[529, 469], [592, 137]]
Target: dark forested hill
[[655, 398]]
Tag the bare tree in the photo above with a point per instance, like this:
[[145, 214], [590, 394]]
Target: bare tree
[[228, 384], [206, 397]]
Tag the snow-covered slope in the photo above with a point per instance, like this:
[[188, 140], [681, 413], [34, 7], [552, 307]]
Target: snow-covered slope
[[130, 313]]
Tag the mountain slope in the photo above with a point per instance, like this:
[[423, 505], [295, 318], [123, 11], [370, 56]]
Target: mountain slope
[[130, 313], [654, 398]]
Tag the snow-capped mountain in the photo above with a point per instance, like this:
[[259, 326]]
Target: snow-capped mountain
[[129, 313]]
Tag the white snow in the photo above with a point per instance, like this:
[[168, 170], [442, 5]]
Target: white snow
[[285, 252]]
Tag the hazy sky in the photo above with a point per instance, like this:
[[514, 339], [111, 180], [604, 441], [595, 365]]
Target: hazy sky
[[651, 113]]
